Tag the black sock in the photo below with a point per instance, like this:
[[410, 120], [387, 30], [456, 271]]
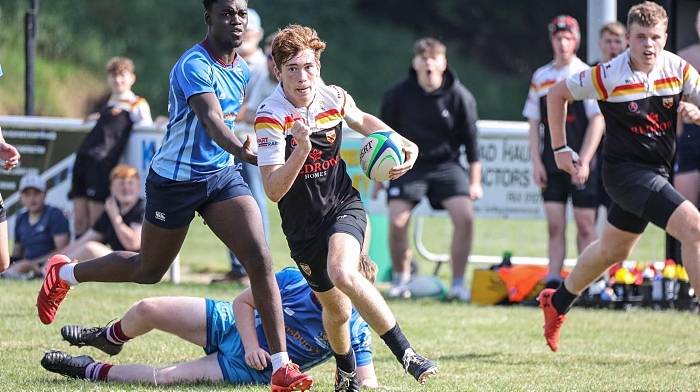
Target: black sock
[[396, 341], [345, 362], [562, 300]]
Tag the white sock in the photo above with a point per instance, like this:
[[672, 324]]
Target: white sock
[[279, 360], [66, 273], [401, 278]]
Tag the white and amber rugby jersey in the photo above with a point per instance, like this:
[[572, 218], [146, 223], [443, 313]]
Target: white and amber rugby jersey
[[640, 109], [578, 112], [323, 185]]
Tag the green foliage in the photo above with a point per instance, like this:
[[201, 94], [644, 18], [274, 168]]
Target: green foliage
[[365, 54]]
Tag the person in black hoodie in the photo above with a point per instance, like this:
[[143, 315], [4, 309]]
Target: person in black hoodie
[[433, 109]]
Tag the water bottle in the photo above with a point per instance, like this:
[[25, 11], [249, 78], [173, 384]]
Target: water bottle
[[657, 288]]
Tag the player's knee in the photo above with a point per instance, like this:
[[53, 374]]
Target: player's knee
[[346, 281], [691, 236], [615, 254], [146, 307]]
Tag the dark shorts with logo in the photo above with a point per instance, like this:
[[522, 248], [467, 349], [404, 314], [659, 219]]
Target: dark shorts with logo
[[90, 179], [437, 181], [559, 189], [311, 256], [171, 204], [640, 194], [688, 149]]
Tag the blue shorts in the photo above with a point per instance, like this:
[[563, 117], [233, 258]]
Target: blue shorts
[[171, 204], [223, 339]]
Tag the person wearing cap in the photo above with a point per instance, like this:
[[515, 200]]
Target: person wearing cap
[[40, 229], [584, 128], [10, 156], [257, 62]]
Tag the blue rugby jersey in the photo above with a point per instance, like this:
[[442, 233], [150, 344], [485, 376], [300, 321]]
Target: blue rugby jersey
[[307, 343], [188, 153]]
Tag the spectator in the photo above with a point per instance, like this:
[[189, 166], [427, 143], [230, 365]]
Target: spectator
[[257, 62], [10, 157], [611, 43], [40, 229], [206, 90], [119, 226], [102, 148], [584, 128], [234, 343], [640, 94], [300, 131], [432, 108], [612, 40]]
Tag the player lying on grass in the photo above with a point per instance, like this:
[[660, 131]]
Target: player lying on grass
[[230, 333]]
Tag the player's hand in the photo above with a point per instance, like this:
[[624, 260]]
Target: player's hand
[[302, 135], [410, 151], [376, 188], [248, 155], [9, 154], [476, 192], [539, 174], [257, 358], [689, 111], [111, 207], [581, 177], [568, 160], [375, 387]]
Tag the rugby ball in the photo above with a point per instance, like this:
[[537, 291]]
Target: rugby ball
[[427, 286], [381, 151]]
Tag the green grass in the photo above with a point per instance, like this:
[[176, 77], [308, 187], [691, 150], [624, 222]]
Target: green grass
[[477, 348]]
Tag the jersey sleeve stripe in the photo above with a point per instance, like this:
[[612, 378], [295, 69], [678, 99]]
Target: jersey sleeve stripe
[[667, 83], [627, 89], [686, 72], [597, 79], [264, 122], [328, 116]]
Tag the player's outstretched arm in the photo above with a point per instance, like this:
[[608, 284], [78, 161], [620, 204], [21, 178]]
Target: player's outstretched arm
[[244, 314], [208, 110], [368, 378]]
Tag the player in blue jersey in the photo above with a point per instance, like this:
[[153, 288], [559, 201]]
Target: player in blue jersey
[[191, 173], [230, 333]]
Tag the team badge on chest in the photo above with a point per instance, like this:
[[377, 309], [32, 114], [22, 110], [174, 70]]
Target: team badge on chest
[[330, 136]]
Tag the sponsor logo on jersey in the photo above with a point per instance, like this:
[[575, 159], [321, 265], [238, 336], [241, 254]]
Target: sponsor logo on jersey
[[654, 126], [266, 142], [633, 107], [296, 335], [315, 155], [319, 168], [330, 136], [293, 144], [306, 268], [668, 102]]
